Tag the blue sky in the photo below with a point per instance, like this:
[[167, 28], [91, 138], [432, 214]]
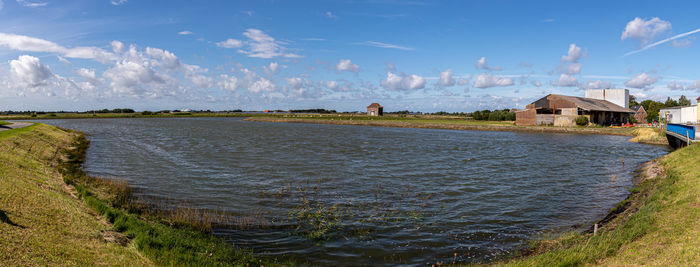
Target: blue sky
[[407, 55]]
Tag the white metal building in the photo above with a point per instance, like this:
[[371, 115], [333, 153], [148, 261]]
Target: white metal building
[[620, 97], [687, 114]]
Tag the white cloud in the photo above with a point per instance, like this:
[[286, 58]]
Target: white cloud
[[347, 65], [272, 68], [536, 83], [482, 64], [165, 58], [486, 80], [229, 83], [332, 85], [32, 3], [385, 45], [29, 71], [573, 54], [403, 83], [118, 47], [230, 43], [572, 68], [185, 33], [694, 86], [566, 80], [672, 38], [89, 75], [446, 78], [31, 44], [330, 15], [641, 81], [261, 45], [63, 60], [645, 30], [675, 86], [118, 2], [128, 78], [598, 84]]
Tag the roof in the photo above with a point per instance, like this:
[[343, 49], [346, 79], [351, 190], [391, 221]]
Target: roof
[[374, 105], [636, 107], [593, 104]]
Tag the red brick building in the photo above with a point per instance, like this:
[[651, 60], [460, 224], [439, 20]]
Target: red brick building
[[640, 114], [375, 109]]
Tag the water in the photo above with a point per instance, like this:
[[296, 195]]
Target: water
[[398, 196]]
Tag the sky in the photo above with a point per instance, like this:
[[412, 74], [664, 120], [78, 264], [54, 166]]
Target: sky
[[455, 56]]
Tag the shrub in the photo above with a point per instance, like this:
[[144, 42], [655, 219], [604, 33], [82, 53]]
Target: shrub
[[582, 121]]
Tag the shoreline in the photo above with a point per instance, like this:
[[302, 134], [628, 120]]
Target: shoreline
[[471, 127]]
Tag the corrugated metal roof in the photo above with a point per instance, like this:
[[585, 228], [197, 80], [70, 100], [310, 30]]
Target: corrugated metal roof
[[593, 104]]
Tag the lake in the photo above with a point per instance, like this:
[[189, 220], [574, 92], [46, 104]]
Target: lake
[[355, 195]]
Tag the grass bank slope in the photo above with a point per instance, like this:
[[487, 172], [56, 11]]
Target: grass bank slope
[[41, 224], [657, 225]]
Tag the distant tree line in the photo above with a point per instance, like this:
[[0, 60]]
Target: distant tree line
[[495, 115], [315, 110], [653, 107], [116, 110]]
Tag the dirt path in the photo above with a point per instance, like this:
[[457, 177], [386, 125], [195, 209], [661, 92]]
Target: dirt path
[[14, 125]]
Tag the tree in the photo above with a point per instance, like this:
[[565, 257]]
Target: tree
[[670, 102], [633, 101], [683, 101], [652, 107]]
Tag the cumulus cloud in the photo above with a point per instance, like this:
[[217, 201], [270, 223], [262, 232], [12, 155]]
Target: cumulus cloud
[[89, 75], [645, 30], [402, 82], [261, 45], [446, 78], [598, 84], [536, 83], [128, 78], [566, 80], [118, 2], [332, 85], [482, 64], [185, 33], [229, 83], [118, 47], [694, 86], [272, 68], [230, 43], [164, 58], [486, 80], [347, 65], [641, 81], [29, 71], [250, 80], [573, 54]]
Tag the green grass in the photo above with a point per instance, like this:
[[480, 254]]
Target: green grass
[[42, 223], [4, 123], [662, 231]]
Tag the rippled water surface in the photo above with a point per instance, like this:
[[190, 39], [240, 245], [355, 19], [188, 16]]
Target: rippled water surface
[[394, 195]]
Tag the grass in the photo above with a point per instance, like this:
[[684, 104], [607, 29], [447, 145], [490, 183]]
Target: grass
[[4, 123], [44, 221], [658, 228], [42, 224]]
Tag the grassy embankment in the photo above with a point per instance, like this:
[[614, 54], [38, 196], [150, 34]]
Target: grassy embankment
[[130, 115], [44, 222], [4, 123], [642, 135], [657, 225]]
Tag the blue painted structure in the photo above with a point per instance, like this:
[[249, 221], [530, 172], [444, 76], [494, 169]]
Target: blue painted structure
[[682, 129], [680, 135]]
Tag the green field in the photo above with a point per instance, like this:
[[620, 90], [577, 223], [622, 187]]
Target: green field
[[4, 123]]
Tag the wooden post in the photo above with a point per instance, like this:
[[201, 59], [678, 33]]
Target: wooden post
[[595, 229]]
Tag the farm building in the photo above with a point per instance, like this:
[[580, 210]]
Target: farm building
[[375, 109], [561, 110], [687, 114], [639, 114]]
